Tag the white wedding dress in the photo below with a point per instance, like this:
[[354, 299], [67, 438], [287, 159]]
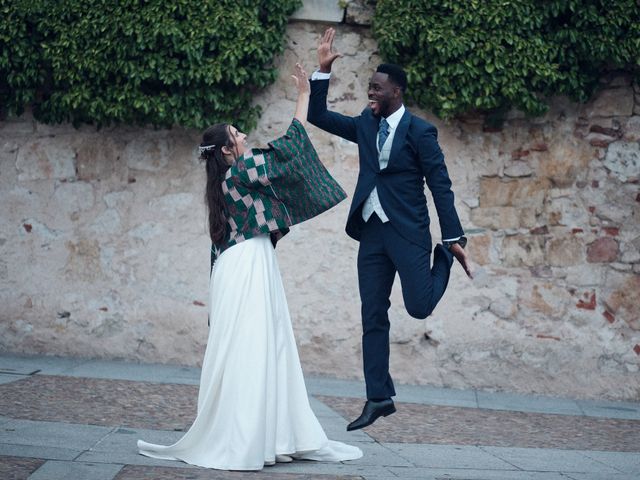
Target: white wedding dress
[[252, 403]]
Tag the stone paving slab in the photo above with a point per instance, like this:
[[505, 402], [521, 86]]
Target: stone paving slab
[[554, 460], [124, 440], [598, 476], [50, 434], [626, 410], [427, 395], [430, 424], [130, 472], [57, 470], [30, 451], [46, 365], [141, 372], [333, 468], [418, 473], [452, 457], [625, 462], [17, 468], [377, 454], [527, 403]]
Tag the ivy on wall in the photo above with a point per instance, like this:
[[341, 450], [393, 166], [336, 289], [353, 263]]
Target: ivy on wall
[[144, 62], [492, 55]]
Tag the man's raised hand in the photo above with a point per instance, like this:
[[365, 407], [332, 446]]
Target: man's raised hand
[[326, 55]]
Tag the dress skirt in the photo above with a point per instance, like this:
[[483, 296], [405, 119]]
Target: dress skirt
[[252, 402]]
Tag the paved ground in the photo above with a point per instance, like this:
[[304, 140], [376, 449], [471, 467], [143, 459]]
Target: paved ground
[[78, 419]]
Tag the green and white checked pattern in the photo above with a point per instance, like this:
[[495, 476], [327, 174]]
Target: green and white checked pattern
[[268, 190]]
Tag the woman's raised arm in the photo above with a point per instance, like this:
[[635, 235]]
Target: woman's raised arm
[[302, 84]]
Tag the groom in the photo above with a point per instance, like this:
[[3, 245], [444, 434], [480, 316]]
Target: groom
[[398, 152]]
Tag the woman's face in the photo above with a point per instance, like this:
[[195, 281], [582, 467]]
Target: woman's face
[[239, 141]]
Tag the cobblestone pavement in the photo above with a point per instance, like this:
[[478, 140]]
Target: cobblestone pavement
[[72, 419]]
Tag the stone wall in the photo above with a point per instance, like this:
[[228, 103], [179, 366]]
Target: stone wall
[[104, 248]]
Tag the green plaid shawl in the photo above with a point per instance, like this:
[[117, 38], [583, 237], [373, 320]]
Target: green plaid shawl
[[268, 190]]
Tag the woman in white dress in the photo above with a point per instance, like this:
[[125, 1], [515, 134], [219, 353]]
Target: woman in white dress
[[253, 408]]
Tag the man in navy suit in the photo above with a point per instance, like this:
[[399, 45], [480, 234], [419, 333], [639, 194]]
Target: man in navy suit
[[398, 152]]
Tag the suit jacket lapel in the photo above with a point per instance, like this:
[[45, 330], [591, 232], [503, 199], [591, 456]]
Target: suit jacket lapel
[[399, 136], [371, 132]]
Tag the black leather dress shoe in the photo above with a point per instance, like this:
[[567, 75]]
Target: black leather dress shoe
[[371, 412]]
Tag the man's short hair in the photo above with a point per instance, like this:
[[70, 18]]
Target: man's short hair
[[396, 74]]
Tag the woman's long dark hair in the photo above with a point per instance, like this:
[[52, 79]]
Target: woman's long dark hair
[[216, 166]]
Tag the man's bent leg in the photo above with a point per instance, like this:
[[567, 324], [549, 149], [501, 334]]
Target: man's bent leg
[[423, 285], [375, 278]]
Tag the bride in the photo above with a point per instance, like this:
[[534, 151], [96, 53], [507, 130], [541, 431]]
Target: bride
[[253, 408]]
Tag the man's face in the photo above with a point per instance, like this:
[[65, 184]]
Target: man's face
[[383, 95]]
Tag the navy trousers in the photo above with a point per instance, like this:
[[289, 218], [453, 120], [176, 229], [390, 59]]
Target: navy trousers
[[382, 253]]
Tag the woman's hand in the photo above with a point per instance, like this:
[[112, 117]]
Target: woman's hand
[[302, 84], [300, 77]]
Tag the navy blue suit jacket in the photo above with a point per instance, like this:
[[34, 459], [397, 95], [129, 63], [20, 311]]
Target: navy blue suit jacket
[[415, 157]]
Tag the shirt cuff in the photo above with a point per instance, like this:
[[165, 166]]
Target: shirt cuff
[[450, 239], [317, 75]]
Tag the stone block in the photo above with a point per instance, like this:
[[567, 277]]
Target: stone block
[[170, 203], [320, 11], [149, 154], [443, 456], [496, 218], [518, 169], [74, 196], [632, 129], [550, 460], [627, 462], [585, 274], [50, 434], [623, 298], [617, 79], [565, 161], [604, 249], [611, 102], [523, 250], [60, 470], [146, 231], [545, 298], [504, 308], [497, 192], [630, 251], [479, 247], [84, 259], [360, 12], [18, 126], [97, 158], [623, 160], [45, 159], [564, 251], [108, 222]]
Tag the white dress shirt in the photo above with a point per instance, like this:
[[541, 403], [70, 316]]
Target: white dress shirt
[[372, 203]]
